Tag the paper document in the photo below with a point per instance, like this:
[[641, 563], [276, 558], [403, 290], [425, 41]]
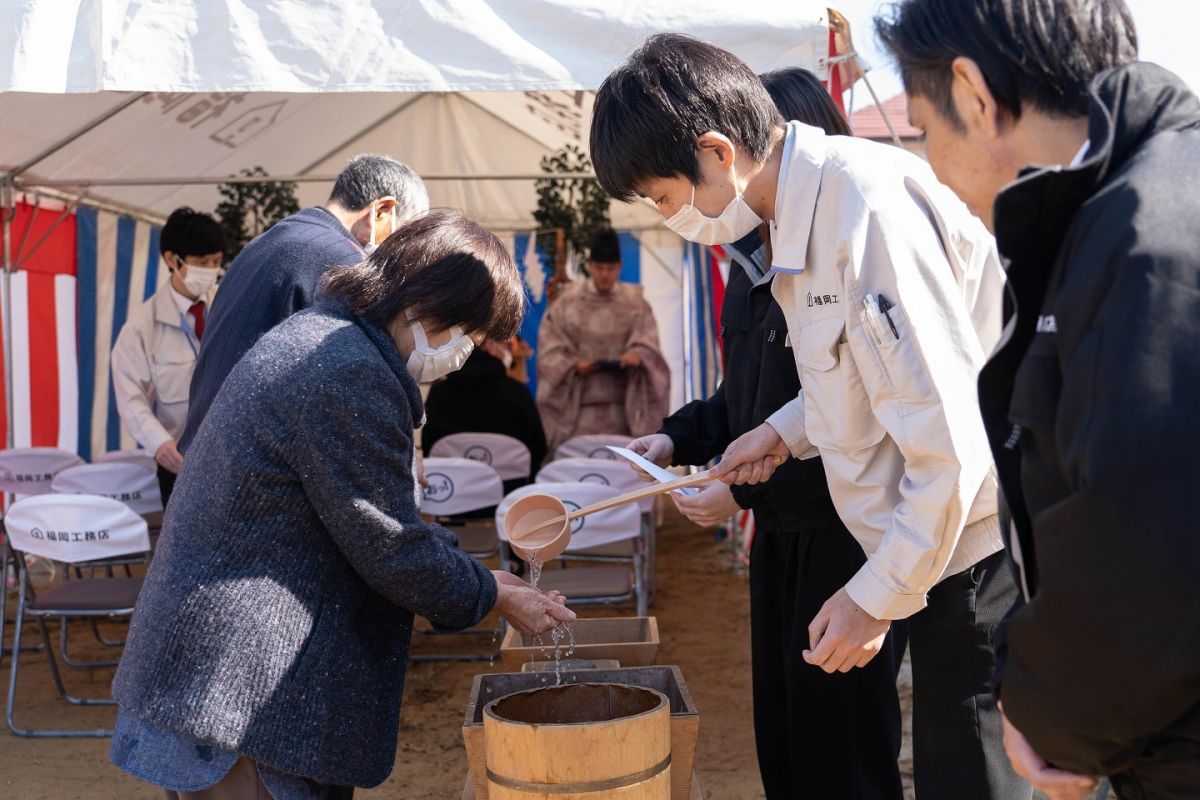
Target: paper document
[[653, 470]]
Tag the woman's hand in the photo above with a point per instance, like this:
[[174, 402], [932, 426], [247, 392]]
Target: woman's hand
[[709, 507], [1056, 784], [528, 610]]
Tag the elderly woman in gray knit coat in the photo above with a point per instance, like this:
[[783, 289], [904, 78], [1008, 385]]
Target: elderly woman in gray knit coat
[[267, 653]]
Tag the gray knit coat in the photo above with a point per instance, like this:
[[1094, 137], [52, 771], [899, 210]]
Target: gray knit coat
[[276, 617]]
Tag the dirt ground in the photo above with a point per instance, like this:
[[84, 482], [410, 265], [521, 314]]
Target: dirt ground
[[703, 615]]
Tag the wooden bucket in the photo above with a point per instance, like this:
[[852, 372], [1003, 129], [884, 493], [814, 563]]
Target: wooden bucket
[[598, 741]]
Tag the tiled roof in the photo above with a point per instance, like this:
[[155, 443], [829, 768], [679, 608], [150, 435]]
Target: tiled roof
[[868, 123]]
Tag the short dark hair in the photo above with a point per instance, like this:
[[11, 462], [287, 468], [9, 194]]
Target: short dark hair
[[441, 267], [368, 178], [1040, 53], [651, 110], [800, 95], [188, 232], [605, 247]]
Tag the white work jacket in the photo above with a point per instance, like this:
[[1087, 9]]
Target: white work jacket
[[889, 401], [152, 365]]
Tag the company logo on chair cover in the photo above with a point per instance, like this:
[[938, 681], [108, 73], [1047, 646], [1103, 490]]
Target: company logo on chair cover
[[440, 488], [576, 525], [594, 477], [603, 452], [478, 453]]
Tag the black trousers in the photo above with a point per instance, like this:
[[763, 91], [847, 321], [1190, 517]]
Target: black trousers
[[166, 483], [819, 736], [958, 749]]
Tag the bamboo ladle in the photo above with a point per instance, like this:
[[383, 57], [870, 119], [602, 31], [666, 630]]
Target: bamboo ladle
[[539, 524]]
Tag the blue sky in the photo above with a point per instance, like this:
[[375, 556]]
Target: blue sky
[[1167, 31]]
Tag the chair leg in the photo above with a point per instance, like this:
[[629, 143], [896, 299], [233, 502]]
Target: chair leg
[[102, 639], [66, 657], [6, 558], [58, 681], [14, 668], [1103, 792], [639, 586]]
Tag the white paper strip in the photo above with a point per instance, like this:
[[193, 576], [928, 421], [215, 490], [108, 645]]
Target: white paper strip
[[653, 470]]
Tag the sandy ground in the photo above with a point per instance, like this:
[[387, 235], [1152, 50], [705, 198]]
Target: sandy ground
[[703, 614]]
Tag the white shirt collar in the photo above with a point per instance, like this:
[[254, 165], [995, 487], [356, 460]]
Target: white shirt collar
[[181, 302], [800, 167]]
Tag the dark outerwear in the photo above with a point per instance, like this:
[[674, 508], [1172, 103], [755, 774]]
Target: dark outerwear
[[1091, 409], [276, 275], [481, 398], [276, 616], [760, 378]]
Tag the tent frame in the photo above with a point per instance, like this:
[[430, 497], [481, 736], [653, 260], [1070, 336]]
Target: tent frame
[[12, 183]]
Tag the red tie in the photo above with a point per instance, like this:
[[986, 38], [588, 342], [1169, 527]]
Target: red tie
[[196, 312]]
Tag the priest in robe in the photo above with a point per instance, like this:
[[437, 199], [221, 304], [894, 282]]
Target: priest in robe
[[599, 367]]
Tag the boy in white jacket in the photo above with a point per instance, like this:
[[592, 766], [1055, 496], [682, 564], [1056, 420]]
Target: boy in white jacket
[[155, 353], [892, 293]]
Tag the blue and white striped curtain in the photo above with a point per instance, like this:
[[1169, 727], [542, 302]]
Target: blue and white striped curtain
[[119, 267], [702, 357]]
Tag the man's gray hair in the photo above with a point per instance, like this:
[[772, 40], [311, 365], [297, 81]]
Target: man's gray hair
[[370, 177]]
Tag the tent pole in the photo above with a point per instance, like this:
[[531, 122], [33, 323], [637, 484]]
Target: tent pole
[[66, 140], [8, 208]]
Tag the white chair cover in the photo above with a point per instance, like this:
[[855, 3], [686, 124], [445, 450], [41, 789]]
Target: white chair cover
[[139, 457], [617, 474], [603, 527], [75, 528], [30, 470], [508, 456], [593, 445], [459, 486], [133, 485]]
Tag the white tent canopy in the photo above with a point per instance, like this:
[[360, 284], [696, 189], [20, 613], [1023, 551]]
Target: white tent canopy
[[140, 106], [141, 103]]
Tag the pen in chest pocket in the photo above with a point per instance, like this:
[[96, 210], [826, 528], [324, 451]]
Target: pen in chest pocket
[[875, 311], [886, 306]]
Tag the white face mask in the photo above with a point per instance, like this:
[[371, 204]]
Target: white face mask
[[370, 246], [426, 364], [737, 220], [199, 280]]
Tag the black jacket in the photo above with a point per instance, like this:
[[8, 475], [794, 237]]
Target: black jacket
[[760, 377], [274, 276], [481, 398], [1091, 407]]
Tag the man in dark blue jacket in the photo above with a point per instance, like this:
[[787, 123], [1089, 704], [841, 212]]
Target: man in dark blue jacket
[[1084, 163], [279, 273]]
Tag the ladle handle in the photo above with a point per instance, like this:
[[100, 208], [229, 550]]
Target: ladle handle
[[640, 494]]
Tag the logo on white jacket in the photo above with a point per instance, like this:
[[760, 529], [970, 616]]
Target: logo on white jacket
[[821, 299], [1047, 324]]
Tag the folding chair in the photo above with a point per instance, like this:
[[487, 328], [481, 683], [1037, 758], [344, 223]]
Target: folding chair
[[25, 471], [594, 540], [72, 529], [459, 488], [508, 456], [592, 445], [141, 458], [619, 475], [125, 481], [129, 483]]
